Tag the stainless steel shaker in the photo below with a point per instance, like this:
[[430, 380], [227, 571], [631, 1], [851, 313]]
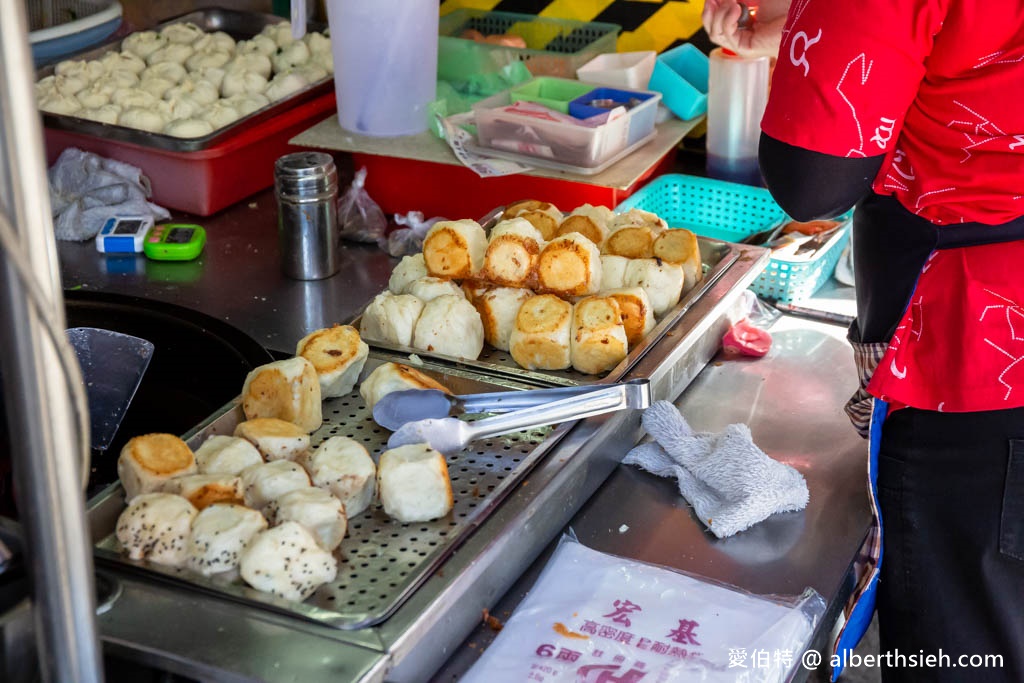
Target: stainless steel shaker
[[307, 218]]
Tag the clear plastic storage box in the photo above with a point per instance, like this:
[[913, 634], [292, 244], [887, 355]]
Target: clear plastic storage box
[[558, 141]]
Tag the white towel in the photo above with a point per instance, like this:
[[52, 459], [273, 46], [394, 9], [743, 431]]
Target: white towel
[[87, 189], [729, 481]]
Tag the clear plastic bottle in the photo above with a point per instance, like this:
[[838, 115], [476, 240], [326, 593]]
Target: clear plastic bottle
[[737, 95]]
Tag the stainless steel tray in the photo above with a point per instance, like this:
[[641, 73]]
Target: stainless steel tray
[[381, 561], [240, 25], [717, 257]]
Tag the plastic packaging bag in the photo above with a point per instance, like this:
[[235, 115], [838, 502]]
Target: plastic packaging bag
[[359, 217], [748, 332], [593, 617], [407, 240]]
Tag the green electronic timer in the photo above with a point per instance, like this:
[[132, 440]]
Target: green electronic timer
[[174, 242]]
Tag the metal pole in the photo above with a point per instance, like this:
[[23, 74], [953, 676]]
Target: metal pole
[[44, 438]]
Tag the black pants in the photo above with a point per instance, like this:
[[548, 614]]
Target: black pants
[[951, 488]]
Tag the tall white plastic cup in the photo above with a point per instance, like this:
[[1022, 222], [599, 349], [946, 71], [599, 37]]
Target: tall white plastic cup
[[385, 64], [737, 96]]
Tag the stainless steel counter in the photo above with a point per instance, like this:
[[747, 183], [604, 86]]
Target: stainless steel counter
[[791, 399], [238, 277]]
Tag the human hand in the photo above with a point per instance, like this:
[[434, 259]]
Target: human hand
[[721, 21]]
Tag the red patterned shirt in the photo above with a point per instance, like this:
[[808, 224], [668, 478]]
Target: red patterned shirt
[[937, 86]]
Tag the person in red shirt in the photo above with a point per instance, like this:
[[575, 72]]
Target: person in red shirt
[[911, 110]]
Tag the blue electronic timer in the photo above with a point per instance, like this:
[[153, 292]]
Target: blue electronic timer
[[123, 234]]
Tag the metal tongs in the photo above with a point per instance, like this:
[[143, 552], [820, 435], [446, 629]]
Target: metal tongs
[[450, 435]]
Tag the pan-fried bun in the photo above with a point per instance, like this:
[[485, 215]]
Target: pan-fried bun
[[454, 249], [542, 215], [631, 241], [613, 271], [598, 336], [512, 254], [147, 463], [662, 281], [637, 314], [590, 221], [569, 266], [498, 308], [680, 246], [389, 377], [541, 337], [338, 355], [285, 389]]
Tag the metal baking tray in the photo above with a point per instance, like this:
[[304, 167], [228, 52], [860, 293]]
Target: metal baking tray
[[239, 25], [381, 561], [716, 257]]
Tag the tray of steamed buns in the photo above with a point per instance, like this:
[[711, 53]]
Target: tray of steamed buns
[[543, 296], [189, 83], [290, 499]]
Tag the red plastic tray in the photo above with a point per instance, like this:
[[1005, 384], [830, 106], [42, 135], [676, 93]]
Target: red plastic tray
[[206, 181], [403, 185]]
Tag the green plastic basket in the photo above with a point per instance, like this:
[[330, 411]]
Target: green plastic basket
[[730, 211], [554, 47]]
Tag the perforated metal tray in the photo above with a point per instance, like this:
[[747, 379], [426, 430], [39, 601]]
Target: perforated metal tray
[[381, 561], [716, 256]]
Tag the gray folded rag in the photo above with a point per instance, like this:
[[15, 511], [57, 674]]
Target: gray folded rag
[[87, 189], [729, 481]]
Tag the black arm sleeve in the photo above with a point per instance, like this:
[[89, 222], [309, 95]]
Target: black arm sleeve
[[810, 185]]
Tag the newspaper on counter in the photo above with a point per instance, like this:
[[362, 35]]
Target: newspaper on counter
[[596, 618]]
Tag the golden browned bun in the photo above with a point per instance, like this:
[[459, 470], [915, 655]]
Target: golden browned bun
[[389, 377], [498, 308], [148, 462], [542, 215], [680, 246], [584, 225], [454, 249], [338, 355], [203, 490], [275, 439], [631, 241], [541, 337], [569, 265], [512, 254], [637, 314], [598, 336], [285, 389]]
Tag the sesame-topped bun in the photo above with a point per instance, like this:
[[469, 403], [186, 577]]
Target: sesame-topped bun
[[156, 527], [219, 535], [287, 562], [148, 462]]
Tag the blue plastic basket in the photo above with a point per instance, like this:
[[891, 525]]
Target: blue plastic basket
[[730, 211]]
